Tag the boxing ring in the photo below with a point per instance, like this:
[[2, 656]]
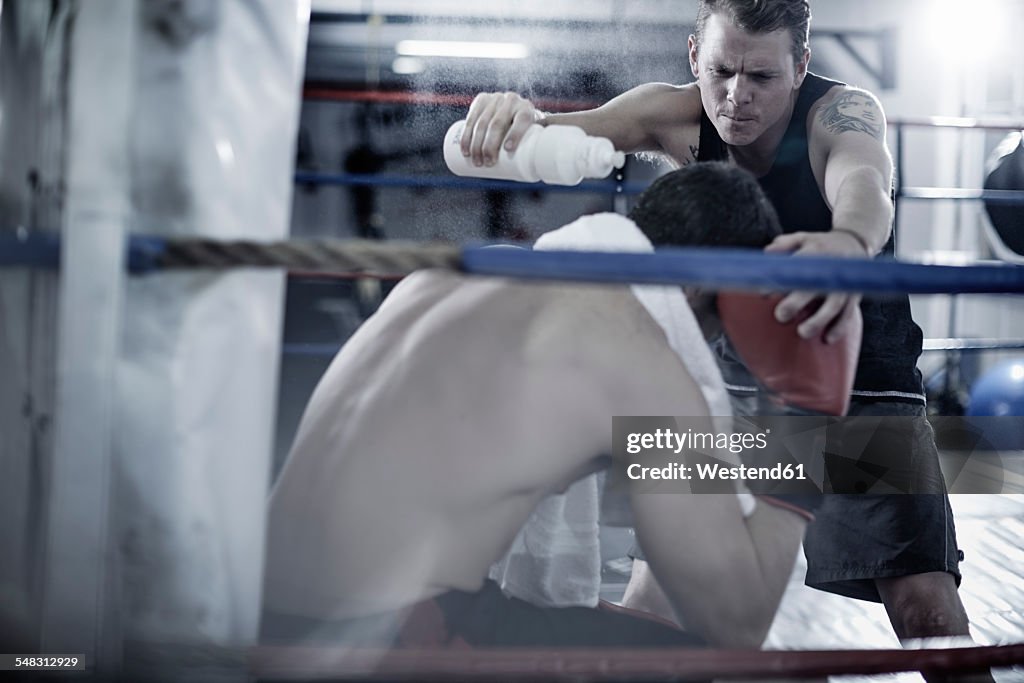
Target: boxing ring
[[146, 256], [95, 264]]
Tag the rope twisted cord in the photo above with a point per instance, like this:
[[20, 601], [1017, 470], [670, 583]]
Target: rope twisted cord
[[355, 256]]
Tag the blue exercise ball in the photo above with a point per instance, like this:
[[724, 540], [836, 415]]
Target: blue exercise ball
[[997, 401], [1000, 391]]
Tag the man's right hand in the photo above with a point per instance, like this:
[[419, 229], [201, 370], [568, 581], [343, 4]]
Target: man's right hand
[[496, 119]]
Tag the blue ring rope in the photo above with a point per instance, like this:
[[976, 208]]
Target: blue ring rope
[[743, 269], [31, 250], [712, 267]]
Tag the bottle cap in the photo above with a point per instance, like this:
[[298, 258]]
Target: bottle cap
[[601, 158]]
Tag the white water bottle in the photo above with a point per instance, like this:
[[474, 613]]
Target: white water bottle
[[558, 155]]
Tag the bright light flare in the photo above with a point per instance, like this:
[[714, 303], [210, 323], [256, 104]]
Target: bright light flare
[[969, 34]]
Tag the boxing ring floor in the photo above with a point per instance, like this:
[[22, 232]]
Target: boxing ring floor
[[990, 531]]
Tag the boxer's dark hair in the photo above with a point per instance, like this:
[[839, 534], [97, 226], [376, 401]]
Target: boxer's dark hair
[[706, 204], [761, 16]]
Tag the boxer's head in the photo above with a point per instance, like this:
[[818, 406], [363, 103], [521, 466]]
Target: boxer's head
[[710, 204]]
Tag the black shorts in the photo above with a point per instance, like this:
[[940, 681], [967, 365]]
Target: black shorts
[[855, 539]]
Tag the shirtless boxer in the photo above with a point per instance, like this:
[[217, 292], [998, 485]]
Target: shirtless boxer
[[436, 430]]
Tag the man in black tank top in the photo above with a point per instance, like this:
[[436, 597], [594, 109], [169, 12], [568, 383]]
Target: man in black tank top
[[818, 149], [887, 370]]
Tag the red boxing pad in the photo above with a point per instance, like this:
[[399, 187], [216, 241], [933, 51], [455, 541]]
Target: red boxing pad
[[807, 373]]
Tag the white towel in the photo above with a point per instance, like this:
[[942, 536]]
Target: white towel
[[556, 558]]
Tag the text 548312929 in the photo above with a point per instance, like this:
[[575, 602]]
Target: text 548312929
[[36, 662]]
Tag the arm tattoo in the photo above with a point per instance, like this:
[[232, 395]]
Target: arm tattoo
[[853, 111]]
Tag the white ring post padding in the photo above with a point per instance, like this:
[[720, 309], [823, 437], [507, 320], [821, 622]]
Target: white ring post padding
[[77, 614], [213, 134]]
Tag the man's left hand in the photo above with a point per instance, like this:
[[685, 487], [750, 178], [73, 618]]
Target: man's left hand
[[834, 317]]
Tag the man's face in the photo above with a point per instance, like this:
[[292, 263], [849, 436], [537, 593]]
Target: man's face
[[746, 79]]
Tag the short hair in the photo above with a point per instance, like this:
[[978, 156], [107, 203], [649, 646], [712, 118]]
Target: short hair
[[761, 16], [706, 204]]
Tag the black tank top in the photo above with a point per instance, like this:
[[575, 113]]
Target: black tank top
[[887, 369]]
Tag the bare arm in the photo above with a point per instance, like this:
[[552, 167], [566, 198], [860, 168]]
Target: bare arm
[[858, 171], [848, 131], [775, 532], [637, 120], [723, 574]]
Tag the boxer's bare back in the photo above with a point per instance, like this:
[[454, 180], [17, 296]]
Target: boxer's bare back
[[438, 428]]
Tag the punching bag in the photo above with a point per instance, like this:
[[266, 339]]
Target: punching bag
[[1006, 172]]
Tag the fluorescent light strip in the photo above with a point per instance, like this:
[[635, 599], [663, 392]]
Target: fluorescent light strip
[[452, 48]]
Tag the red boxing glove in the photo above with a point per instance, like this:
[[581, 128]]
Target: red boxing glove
[[806, 373]]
